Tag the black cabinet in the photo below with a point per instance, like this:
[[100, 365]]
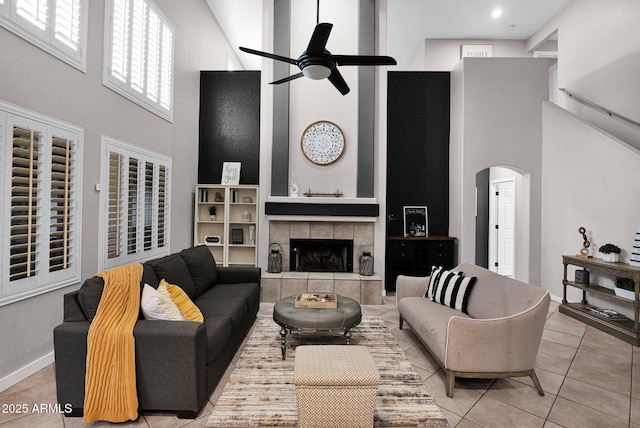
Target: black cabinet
[[415, 256]]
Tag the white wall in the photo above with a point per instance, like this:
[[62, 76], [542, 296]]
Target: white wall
[[495, 120], [591, 174], [599, 59], [444, 54], [46, 85], [312, 100], [590, 179]]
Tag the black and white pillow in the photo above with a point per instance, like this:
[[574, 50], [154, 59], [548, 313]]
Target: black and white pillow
[[436, 271], [434, 278], [450, 288]]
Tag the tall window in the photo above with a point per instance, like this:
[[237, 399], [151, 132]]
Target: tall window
[[135, 195], [138, 60], [57, 26], [40, 176]]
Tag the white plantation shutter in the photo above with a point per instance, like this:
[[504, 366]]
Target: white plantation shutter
[[68, 23], [162, 202], [114, 203], [56, 26], [34, 11], [139, 50], [120, 40], [62, 199], [135, 223], [166, 67], [132, 211], [26, 206], [41, 215]]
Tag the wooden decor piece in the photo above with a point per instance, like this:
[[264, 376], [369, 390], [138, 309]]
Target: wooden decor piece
[[316, 301]]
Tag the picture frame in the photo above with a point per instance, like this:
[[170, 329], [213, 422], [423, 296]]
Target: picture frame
[[231, 173], [416, 221], [237, 236]]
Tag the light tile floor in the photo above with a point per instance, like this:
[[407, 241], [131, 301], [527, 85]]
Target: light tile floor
[[591, 379]]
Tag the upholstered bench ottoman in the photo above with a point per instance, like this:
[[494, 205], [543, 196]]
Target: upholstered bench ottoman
[[336, 386]]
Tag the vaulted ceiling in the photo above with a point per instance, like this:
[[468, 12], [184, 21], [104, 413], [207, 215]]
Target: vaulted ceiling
[[409, 22]]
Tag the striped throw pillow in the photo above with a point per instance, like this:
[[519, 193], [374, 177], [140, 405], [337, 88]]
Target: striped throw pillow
[[434, 278], [453, 289]]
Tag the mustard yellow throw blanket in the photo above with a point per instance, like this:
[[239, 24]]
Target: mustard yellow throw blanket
[[110, 382]]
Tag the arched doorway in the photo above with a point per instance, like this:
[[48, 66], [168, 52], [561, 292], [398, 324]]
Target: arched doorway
[[502, 221]]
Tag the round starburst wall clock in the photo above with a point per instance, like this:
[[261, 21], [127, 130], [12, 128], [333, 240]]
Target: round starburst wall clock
[[322, 142]]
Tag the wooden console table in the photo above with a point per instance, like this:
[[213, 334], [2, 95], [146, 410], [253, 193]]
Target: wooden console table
[[627, 330]]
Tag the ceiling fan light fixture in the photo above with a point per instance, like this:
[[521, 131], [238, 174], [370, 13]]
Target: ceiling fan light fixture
[[316, 72]]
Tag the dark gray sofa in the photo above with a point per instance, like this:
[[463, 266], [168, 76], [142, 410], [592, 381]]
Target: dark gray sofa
[[178, 363]]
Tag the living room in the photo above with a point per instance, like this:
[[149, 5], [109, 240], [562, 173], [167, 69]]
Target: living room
[[598, 52]]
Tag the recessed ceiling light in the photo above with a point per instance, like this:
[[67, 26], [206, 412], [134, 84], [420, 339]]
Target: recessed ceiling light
[[496, 13]]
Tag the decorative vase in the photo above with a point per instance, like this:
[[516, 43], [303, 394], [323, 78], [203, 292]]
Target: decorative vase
[[246, 216], [610, 257], [212, 217], [366, 264], [274, 263]]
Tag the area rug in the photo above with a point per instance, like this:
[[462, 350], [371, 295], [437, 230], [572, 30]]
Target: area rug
[[260, 390]]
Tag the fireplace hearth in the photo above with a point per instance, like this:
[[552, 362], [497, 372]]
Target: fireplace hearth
[[321, 255]]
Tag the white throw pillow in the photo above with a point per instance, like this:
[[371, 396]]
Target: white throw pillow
[[155, 306]]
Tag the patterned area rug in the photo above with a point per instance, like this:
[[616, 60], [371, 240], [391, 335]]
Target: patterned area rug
[[260, 391]]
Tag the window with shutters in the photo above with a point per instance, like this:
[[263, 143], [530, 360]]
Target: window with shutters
[[40, 176], [138, 54], [135, 196], [56, 26]]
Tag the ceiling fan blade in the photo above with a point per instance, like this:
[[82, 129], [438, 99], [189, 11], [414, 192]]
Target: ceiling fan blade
[[319, 38], [269, 55], [338, 81], [363, 60], [286, 79]]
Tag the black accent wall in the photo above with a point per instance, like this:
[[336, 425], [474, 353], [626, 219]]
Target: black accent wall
[[418, 147], [229, 124]]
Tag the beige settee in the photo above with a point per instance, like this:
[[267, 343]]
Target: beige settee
[[499, 337]]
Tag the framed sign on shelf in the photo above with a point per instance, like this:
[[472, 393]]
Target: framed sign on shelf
[[231, 173], [416, 221]]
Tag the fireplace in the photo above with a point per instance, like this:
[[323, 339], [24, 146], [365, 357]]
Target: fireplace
[[321, 255]]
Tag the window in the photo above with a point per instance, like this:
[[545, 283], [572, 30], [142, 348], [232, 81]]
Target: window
[[57, 26], [40, 212], [138, 60], [135, 196]]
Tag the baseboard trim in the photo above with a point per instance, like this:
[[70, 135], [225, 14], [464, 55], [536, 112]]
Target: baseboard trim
[[26, 371]]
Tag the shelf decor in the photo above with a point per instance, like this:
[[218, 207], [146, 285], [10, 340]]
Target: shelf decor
[[635, 252], [621, 327], [227, 226], [609, 252]]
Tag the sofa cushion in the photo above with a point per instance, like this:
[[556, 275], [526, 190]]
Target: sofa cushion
[[219, 332], [89, 296], [233, 301], [156, 306], [453, 290], [187, 308], [174, 270], [202, 267], [431, 329]]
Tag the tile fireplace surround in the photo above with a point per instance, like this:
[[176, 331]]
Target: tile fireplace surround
[[364, 289]]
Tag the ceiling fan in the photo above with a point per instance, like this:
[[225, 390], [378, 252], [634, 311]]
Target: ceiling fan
[[317, 63]]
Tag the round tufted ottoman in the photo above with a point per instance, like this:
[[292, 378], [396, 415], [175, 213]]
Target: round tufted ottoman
[[342, 319]]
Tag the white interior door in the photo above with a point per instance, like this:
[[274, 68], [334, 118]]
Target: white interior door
[[503, 224]]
